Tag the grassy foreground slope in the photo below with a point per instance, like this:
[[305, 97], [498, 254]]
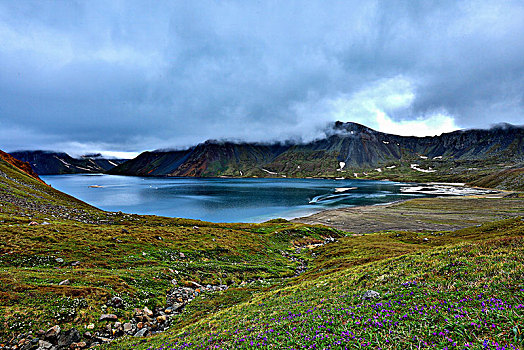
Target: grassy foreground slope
[[462, 289], [62, 261]]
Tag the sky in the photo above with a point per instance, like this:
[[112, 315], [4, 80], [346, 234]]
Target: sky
[[121, 77]]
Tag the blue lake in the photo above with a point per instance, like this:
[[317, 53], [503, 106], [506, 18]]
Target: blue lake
[[224, 199]]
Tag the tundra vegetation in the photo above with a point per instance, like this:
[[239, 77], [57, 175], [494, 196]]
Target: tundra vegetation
[[146, 282]]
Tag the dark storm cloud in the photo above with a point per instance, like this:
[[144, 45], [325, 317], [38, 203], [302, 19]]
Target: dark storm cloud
[[128, 76]]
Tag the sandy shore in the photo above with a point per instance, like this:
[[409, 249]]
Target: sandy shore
[[433, 214]]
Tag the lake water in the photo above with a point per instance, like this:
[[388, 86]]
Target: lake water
[[221, 199]]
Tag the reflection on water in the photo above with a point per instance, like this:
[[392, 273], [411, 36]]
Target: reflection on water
[[223, 200]]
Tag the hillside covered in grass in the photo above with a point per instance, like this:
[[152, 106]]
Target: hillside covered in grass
[[73, 276]]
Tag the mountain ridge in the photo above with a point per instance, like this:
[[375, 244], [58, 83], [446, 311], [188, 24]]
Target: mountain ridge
[[53, 162], [348, 148]]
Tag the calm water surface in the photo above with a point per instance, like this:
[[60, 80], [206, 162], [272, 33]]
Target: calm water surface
[[223, 200]]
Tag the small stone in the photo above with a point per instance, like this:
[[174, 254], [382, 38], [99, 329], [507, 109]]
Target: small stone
[[117, 301], [42, 344], [370, 294], [59, 260], [45, 223], [79, 345], [140, 325], [108, 317], [90, 326], [52, 332], [64, 283], [33, 223], [161, 319], [128, 327], [182, 255], [75, 263], [103, 339], [67, 338], [425, 239], [177, 307], [148, 312], [142, 333]]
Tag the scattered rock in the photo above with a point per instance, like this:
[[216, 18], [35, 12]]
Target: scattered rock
[[148, 312], [128, 327], [33, 223], [68, 337], [108, 317], [75, 263], [64, 283], [79, 345], [370, 294], [182, 255], [59, 260], [42, 344], [142, 333], [117, 302], [52, 332], [91, 326]]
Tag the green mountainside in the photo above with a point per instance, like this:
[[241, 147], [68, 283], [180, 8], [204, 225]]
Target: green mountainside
[[350, 150]]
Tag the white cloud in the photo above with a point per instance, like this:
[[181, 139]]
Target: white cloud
[[424, 126], [375, 104]]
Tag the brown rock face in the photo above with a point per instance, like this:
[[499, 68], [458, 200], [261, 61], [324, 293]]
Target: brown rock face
[[23, 166]]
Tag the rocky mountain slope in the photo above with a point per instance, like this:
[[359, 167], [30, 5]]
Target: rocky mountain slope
[[51, 163], [24, 166], [349, 150]]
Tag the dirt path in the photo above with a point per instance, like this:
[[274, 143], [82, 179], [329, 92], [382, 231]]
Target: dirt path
[[444, 213]]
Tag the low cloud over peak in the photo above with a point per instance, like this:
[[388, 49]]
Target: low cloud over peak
[[124, 77]]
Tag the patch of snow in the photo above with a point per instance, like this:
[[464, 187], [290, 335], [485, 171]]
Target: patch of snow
[[269, 172], [437, 157], [112, 163], [391, 167], [423, 157], [64, 162], [443, 189], [379, 170], [385, 142], [342, 165], [355, 174], [415, 167]]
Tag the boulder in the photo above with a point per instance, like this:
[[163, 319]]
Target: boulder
[[108, 317], [42, 344], [370, 294], [148, 312], [67, 338], [128, 327], [141, 333], [52, 332]]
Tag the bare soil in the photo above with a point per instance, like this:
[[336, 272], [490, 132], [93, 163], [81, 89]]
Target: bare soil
[[423, 214]]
